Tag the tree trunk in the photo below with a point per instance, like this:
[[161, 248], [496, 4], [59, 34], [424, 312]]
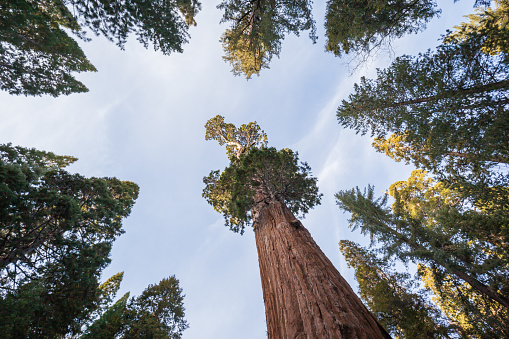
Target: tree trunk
[[304, 294]]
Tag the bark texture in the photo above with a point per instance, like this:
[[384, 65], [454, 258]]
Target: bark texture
[[304, 294]]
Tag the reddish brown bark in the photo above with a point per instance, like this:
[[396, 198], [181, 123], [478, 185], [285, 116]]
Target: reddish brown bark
[[304, 294]]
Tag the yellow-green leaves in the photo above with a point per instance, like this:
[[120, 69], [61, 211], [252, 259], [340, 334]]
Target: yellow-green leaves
[[258, 28], [237, 140], [244, 56], [490, 25], [255, 171]]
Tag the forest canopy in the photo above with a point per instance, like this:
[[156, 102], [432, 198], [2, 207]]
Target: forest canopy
[[444, 111], [38, 56], [56, 235]]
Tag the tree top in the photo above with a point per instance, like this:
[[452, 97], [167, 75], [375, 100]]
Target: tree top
[[238, 140]]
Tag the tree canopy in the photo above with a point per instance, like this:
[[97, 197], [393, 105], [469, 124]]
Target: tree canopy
[[434, 225], [56, 231], [362, 26], [37, 56], [420, 100], [257, 28], [390, 296], [157, 313], [489, 24], [255, 174]]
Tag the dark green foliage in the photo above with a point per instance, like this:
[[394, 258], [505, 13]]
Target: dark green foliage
[[56, 231], [432, 224], [257, 29], [266, 174], [391, 296], [362, 26], [45, 209], [446, 112], [256, 174], [37, 56], [157, 313], [59, 299], [450, 105], [110, 323]]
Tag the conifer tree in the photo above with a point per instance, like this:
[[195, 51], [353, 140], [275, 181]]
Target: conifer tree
[[258, 28], [363, 26], [432, 224], [446, 111], [37, 56], [305, 296], [56, 231], [476, 315], [392, 296], [157, 313]]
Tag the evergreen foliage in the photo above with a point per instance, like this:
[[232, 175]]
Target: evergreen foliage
[[476, 315], [363, 26], [422, 100], [432, 224], [157, 313], [489, 24], [37, 56], [256, 174], [446, 112], [389, 295], [56, 231], [46, 212], [257, 29]]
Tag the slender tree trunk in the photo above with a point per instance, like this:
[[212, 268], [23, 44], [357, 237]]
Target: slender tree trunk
[[304, 294]]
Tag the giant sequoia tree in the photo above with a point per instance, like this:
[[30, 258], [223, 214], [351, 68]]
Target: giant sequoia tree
[[305, 296], [37, 56]]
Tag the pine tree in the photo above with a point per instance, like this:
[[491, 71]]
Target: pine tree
[[446, 111], [363, 26], [56, 232], [305, 296], [257, 29], [432, 224], [37, 56], [392, 296]]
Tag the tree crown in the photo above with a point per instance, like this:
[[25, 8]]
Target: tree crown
[[256, 175]]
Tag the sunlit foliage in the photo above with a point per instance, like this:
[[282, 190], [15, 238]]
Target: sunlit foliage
[[256, 174], [257, 28]]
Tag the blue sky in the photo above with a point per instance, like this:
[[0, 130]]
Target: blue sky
[[143, 120]]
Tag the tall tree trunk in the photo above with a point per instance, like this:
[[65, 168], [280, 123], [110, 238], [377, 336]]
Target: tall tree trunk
[[304, 294]]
